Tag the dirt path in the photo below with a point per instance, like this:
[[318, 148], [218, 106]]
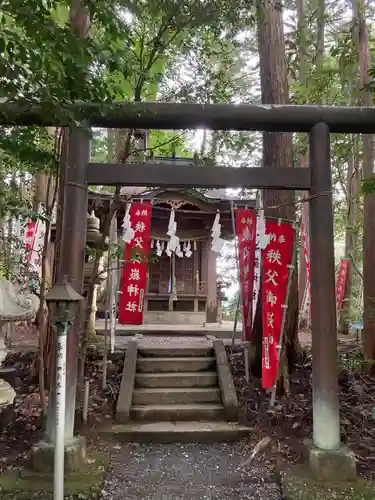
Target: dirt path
[[188, 472]]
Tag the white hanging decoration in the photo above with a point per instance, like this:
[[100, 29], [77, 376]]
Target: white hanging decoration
[[173, 243], [159, 250], [264, 238], [179, 252], [187, 249], [128, 233], [152, 245], [216, 227], [172, 225], [217, 242]]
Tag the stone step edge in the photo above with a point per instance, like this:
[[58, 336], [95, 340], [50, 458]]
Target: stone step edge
[[180, 406], [178, 432], [171, 352], [161, 390], [209, 373], [174, 359]]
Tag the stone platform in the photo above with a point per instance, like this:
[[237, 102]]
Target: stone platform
[[220, 330]]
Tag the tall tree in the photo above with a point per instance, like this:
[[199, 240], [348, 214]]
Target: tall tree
[[361, 30], [80, 25], [302, 46], [277, 147], [350, 84]]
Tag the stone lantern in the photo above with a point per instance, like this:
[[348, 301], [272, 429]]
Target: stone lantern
[[93, 238]]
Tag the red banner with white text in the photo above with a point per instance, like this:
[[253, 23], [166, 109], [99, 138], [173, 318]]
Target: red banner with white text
[[30, 232], [134, 274], [341, 285], [246, 234], [276, 260]]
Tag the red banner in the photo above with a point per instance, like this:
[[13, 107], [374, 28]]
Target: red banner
[[30, 231], [134, 274], [276, 260], [341, 284], [246, 234]]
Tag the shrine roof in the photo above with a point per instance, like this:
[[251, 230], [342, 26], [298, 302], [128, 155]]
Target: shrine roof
[[204, 199], [209, 197]]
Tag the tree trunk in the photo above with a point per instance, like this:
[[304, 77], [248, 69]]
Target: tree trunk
[[277, 147], [369, 198], [302, 30], [353, 184], [320, 29], [80, 25], [352, 191]]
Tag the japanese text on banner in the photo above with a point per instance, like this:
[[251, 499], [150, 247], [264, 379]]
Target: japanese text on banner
[[134, 274], [276, 260], [246, 234]]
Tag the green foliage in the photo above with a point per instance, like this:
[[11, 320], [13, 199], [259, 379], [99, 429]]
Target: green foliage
[[368, 185]]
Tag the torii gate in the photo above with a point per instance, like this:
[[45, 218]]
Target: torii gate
[[317, 121]]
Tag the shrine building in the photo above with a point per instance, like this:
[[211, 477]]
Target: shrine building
[[181, 289]]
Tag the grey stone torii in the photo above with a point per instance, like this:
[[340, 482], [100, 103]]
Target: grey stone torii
[[317, 121]]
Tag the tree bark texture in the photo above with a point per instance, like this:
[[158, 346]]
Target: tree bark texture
[[277, 147], [80, 25], [361, 30], [302, 35]]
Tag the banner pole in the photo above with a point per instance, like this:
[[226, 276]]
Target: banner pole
[[236, 319], [258, 256], [304, 305], [105, 351], [285, 312], [240, 301]]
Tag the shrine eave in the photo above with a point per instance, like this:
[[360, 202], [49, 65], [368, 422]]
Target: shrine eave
[[156, 196]]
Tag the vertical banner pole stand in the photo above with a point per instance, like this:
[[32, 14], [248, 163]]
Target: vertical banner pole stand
[[238, 275], [236, 319], [58, 476], [105, 352], [285, 312]]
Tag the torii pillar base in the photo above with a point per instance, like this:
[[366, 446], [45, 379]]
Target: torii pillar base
[[331, 465]]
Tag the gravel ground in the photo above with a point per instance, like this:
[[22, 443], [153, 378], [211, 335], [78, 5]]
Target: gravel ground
[[188, 472]]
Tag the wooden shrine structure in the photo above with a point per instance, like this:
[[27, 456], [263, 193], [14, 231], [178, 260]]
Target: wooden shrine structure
[[196, 297]]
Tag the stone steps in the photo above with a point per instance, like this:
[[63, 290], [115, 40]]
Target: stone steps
[[189, 351], [177, 412], [176, 379], [176, 396], [168, 401], [175, 364], [177, 432]]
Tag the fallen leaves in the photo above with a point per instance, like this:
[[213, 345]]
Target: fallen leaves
[[258, 448], [290, 422]]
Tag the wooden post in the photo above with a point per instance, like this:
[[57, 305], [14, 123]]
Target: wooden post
[[211, 286], [326, 419], [73, 242]]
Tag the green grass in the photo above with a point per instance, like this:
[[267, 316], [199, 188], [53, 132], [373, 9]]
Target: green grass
[[297, 485], [25, 485]]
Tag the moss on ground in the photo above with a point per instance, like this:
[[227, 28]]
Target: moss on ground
[[25, 485], [298, 485]]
